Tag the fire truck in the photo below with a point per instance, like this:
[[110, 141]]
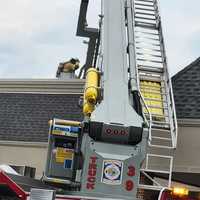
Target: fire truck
[[129, 114]]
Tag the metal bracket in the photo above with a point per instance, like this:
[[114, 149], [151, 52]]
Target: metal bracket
[[91, 33]]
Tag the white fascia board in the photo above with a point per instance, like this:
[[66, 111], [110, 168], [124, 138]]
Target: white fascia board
[[23, 144], [42, 86], [189, 122]]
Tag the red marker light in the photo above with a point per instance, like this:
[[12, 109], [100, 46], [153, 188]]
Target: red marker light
[[131, 171], [129, 185], [108, 131], [123, 132]]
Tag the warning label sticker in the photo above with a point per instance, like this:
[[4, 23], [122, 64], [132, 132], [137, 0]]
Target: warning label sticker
[[65, 130], [112, 172], [68, 164], [63, 154]]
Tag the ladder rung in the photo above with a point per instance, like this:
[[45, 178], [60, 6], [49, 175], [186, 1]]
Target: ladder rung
[[152, 1], [150, 187], [141, 13], [145, 9], [161, 127], [145, 1], [157, 107], [161, 138], [150, 87], [147, 33], [148, 43], [148, 54], [147, 49], [143, 4], [147, 38], [145, 25], [138, 19], [146, 74], [162, 135], [160, 130], [162, 93], [157, 171], [149, 78], [150, 22], [152, 99], [141, 55], [150, 68], [159, 116], [156, 115], [145, 17], [159, 122], [146, 60], [161, 146]]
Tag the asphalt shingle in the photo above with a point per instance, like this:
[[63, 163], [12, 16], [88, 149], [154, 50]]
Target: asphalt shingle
[[186, 87], [24, 117]]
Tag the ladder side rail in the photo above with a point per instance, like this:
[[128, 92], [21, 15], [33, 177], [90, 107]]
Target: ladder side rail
[[170, 96], [131, 46], [148, 122]]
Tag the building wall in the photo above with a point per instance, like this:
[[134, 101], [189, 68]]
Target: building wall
[[22, 154], [187, 154]]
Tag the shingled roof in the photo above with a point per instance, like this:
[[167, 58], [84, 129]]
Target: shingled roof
[[24, 116], [186, 86]]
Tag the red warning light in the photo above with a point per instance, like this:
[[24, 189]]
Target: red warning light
[[131, 171], [129, 185]]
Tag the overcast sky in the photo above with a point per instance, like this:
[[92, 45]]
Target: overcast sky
[[35, 35]]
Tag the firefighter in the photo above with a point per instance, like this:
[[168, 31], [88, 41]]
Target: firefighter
[[68, 67]]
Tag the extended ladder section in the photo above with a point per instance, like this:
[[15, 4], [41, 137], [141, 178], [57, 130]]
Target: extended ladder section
[[155, 85]]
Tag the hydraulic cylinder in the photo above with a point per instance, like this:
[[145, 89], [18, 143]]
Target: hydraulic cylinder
[[88, 108], [91, 90]]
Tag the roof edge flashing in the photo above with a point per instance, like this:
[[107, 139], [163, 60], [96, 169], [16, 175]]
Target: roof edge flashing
[[23, 144]]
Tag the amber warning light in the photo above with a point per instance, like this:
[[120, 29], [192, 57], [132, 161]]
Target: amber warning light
[[180, 191]]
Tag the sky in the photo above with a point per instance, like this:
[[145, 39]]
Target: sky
[[36, 35]]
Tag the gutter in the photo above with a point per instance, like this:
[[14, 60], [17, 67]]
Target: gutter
[[189, 122]]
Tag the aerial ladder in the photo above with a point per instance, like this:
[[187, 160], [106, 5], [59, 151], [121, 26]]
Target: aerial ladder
[[156, 89], [129, 130]]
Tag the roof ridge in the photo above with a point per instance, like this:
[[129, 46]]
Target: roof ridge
[[188, 67]]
